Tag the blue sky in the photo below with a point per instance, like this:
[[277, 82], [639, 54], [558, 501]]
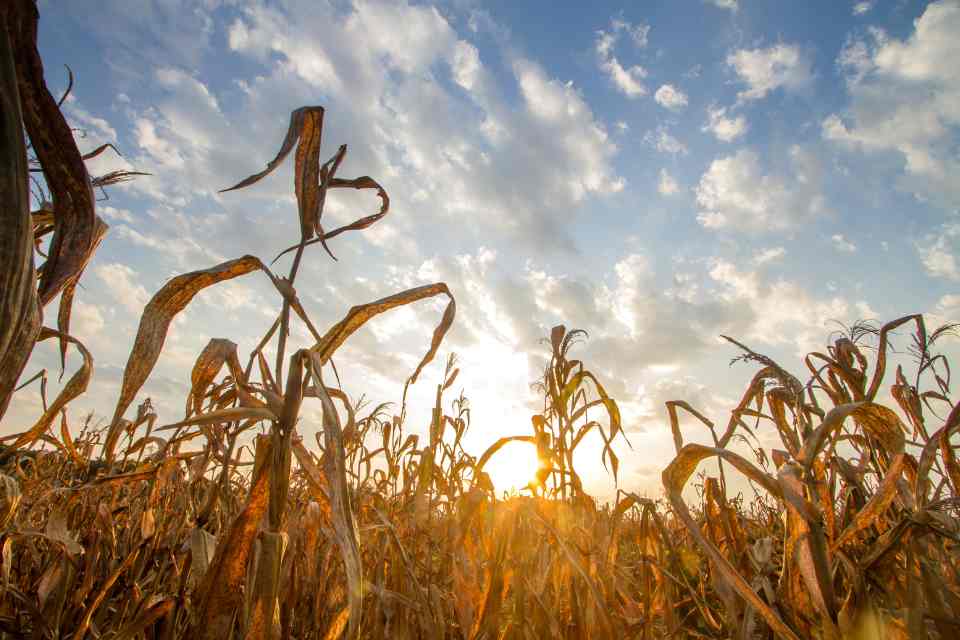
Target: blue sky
[[656, 172]]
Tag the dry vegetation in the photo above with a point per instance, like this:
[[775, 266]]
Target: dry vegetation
[[184, 531]]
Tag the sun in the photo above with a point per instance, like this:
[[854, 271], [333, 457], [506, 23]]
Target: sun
[[513, 467]]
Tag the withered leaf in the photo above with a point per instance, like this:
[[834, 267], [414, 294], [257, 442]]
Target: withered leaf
[[359, 315], [675, 478], [220, 592], [20, 315], [172, 298], [75, 386]]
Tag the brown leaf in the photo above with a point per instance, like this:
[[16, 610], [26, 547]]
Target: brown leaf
[[172, 298], [75, 386], [203, 545], [363, 182], [675, 478], [881, 364], [805, 544], [77, 229], [306, 175], [221, 592], [359, 315], [231, 414], [157, 609], [217, 352], [56, 530], [297, 121], [90, 155], [265, 614], [345, 527], [102, 592], [20, 315]]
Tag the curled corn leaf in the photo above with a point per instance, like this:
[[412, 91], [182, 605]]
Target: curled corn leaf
[[172, 298], [20, 316]]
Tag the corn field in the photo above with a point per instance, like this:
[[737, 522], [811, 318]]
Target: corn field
[[244, 519]]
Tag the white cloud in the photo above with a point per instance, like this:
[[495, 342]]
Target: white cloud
[[639, 33], [841, 244], [185, 251], [764, 70], [783, 312], [722, 127], [114, 214], [667, 186], [730, 5], [735, 193], [863, 7], [627, 80], [670, 97], [772, 254], [854, 61], [425, 34], [465, 64], [947, 309], [121, 284], [86, 320], [162, 150], [663, 142], [905, 98], [582, 148], [939, 253], [86, 123]]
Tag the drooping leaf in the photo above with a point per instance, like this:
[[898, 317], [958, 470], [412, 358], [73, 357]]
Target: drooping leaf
[[75, 386], [20, 315], [217, 352], [360, 315], [172, 298], [220, 591], [344, 524], [675, 478], [298, 120]]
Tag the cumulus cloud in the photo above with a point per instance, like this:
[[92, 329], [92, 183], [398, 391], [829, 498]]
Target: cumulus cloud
[[947, 308], [87, 123], [730, 5], [627, 80], [465, 64], [938, 252], [115, 215], [904, 97], [667, 185], [841, 244], [662, 141], [670, 97], [782, 66], [86, 320], [722, 127], [736, 193], [122, 284], [772, 254], [783, 312]]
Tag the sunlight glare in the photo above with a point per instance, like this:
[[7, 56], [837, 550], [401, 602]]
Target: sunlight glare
[[513, 467]]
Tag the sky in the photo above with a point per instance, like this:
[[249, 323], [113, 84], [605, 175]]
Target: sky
[[657, 173]]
